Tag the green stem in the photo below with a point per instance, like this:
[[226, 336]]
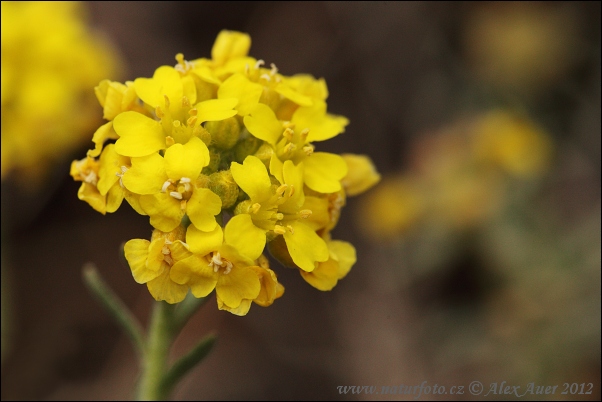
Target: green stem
[[187, 362], [155, 362], [115, 307]]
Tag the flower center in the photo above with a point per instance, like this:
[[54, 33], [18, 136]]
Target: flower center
[[217, 262], [178, 189]]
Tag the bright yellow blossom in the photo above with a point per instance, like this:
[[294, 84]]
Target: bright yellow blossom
[[277, 210], [152, 261], [221, 260], [168, 187], [51, 59]]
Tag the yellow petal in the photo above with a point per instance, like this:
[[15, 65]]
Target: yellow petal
[[361, 174], [163, 288], [115, 197], [276, 167], [324, 277], [291, 94], [196, 273], [136, 254], [202, 207], [305, 246], [322, 126], [147, 175], [104, 133], [166, 81], [202, 243], [293, 176], [247, 238], [155, 254], [252, 177], [89, 193], [107, 169], [215, 109], [238, 86], [324, 171], [230, 45], [139, 135], [263, 124], [165, 211], [240, 283], [242, 309], [344, 253], [186, 160]]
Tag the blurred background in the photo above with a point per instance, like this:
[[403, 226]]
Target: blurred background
[[478, 253]]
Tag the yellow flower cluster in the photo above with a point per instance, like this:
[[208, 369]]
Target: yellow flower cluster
[[459, 177], [220, 154], [50, 59]]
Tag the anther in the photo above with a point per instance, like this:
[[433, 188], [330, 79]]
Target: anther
[[255, 208], [167, 102], [308, 149], [191, 120], [280, 190], [274, 69], [159, 112], [193, 112], [279, 230], [259, 63], [304, 134], [165, 185], [165, 250], [288, 134], [175, 195], [288, 124], [185, 102], [290, 147], [290, 228], [266, 77]]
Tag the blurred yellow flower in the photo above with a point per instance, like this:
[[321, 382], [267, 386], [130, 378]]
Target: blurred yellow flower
[[50, 61]]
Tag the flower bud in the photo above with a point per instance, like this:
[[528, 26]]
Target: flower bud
[[224, 133], [222, 183]]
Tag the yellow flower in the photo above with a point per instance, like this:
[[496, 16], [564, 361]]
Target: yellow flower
[[171, 96], [102, 187], [271, 290], [292, 141], [277, 209], [168, 187], [152, 261], [221, 260], [50, 60], [342, 257]]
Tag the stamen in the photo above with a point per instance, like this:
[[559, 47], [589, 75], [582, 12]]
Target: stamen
[[304, 134], [279, 230], [168, 259], [185, 180], [290, 147], [167, 102], [176, 195], [255, 208], [290, 228], [185, 102], [274, 69], [259, 63], [288, 124], [292, 191], [165, 185], [266, 77], [288, 134], [191, 120], [193, 112], [280, 190], [159, 112], [165, 250], [308, 149], [169, 141], [229, 266]]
